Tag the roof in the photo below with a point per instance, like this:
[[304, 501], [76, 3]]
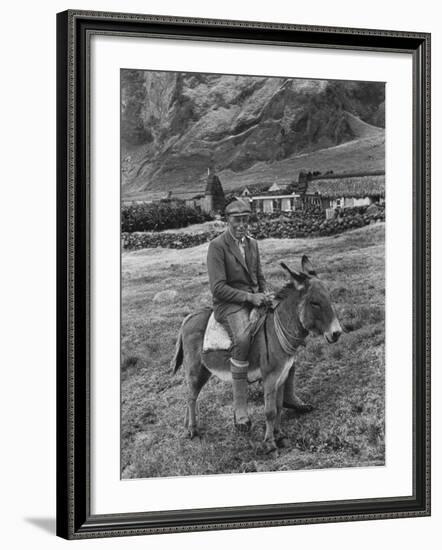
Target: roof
[[275, 186], [276, 193], [361, 186], [268, 196], [213, 186], [195, 197], [333, 176], [254, 188]]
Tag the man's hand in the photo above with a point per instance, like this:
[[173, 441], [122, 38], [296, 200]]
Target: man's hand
[[257, 299]]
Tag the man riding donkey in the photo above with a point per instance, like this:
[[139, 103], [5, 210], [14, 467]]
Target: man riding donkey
[[238, 285]]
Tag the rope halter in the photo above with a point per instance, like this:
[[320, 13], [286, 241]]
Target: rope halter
[[288, 341]]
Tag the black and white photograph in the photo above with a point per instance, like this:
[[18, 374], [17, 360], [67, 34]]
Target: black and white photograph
[[252, 274], [221, 272]]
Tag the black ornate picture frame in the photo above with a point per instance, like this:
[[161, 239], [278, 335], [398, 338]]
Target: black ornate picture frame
[[74, 517]]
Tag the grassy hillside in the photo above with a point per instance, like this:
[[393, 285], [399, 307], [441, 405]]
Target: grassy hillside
[[361, 129], [345, 381], [362, 155]]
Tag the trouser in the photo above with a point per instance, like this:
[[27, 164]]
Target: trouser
[[238, 327]]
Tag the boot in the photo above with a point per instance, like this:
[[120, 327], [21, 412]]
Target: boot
[[291, 400], [240, 388]]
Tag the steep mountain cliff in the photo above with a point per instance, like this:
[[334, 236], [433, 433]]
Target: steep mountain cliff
[[174, 125]]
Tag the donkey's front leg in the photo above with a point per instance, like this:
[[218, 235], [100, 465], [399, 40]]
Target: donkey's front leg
[[280, 437], [270, 413]]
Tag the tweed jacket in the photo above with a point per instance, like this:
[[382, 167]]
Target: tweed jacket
[[232, 278]]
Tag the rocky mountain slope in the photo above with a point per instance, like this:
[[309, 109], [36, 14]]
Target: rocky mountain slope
[[174, 125]]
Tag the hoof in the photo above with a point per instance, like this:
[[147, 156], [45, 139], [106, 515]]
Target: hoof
[[193, 432], [283, 442], [242, 425], [298, 407], [270, 449]]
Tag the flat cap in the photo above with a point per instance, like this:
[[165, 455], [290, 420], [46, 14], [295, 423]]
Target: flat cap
[[238, 207]]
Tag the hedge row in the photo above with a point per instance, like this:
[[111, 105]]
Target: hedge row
[[315, 224], [134, 241], [282, 227], [158, 216]]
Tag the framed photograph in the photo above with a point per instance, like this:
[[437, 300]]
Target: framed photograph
[[243, 274]]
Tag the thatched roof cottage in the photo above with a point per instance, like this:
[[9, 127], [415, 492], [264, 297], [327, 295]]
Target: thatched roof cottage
[[346, 191]]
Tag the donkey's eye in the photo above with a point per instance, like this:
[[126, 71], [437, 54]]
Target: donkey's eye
[[315, 304]]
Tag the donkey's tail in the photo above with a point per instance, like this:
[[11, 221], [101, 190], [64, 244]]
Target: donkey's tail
[[178, 356], [177, 359]]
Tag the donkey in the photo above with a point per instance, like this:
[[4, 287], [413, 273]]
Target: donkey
[[303, 305]]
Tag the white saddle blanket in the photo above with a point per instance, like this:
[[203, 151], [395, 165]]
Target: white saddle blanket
[[216, 336]]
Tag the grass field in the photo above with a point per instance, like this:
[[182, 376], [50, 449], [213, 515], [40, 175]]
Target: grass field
[[345, 382]]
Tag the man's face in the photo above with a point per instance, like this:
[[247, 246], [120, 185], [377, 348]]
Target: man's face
[[238, 225]]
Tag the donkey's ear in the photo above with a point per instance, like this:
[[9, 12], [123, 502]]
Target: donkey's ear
[[307, 267], [298, 277]]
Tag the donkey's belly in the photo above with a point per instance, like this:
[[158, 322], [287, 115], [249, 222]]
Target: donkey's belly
[[218, 363]]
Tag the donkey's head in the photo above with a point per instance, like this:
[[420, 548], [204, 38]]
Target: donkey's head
[[315, 309]]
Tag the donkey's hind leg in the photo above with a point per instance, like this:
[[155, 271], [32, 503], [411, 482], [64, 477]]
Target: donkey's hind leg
[[196, 377], [196, 373]]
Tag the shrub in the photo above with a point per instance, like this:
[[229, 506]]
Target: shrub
[[157, 216], [137, 240]]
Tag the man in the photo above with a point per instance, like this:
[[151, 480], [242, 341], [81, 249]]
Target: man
[[237, 284]]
